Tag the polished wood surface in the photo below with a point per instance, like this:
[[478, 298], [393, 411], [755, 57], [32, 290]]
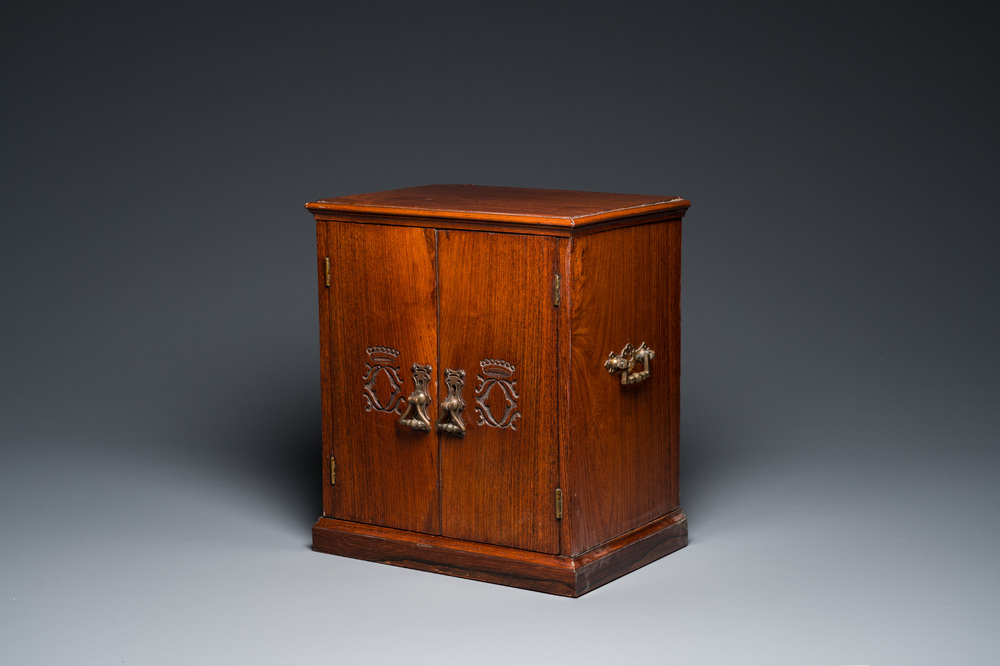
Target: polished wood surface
[[382, 294], [632, 550], [325, 367], [621, 470], [563, 366], [498, 483], [522, 206], [501, 227], [461, 279], [554, 574]]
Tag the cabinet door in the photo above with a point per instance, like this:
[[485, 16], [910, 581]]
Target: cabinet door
[[498, 324], [382, 318]]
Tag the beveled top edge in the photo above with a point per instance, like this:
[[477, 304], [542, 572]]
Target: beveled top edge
[[551, 208]]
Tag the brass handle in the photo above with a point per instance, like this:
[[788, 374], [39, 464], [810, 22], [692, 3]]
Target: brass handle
[[627, 360], [417, 401], [450, 422]]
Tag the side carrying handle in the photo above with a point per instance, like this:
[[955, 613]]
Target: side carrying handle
[[450, 422], [416, 403], [627, 360]]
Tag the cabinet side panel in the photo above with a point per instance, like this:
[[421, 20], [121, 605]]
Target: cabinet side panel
[[383, 309], [498, 324], [623, 465]]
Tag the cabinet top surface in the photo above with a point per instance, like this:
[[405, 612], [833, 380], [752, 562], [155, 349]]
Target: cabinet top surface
[[559, 208]]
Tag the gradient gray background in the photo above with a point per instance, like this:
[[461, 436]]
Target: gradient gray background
[[160, 372]]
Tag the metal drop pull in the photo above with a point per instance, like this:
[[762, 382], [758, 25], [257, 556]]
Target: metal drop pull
[[450, 422], [416, 402], [627, 360]]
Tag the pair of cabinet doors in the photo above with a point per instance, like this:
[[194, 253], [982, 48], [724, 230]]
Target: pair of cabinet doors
[[471, 302]]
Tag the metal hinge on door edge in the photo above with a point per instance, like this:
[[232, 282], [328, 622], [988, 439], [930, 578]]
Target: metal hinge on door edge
[[326, 270], [557, 290], [559, 504], [333, 471]]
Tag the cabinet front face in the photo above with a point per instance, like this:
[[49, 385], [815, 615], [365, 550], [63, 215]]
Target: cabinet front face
[[474, 312], [382, 320], [498, 325]]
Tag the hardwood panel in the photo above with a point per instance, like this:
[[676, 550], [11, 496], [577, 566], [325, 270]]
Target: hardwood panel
[[554, 208], [564, 329], [631, 551], [496, 296], [554, 574], [326, 378], [452, 557], [448, 223], [622, 470], [383, 309], [461, 277]]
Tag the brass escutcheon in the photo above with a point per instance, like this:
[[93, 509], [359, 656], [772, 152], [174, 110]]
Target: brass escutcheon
[[450, 422], [417, 401]]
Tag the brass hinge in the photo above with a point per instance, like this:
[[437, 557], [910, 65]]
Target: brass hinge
[[557, 290], [326, 270], [333, 470], [558, 503]]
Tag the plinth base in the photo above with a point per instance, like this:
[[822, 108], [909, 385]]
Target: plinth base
[[555, 574]]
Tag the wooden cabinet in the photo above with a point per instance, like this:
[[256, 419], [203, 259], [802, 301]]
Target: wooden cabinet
[[500, 375]]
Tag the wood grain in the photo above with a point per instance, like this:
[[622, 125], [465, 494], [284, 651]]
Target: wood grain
[[382, 293], [631, 551], [453, 557], [498, 483], [549, 208], [564, 330], [622, 470], [326, 369], [554, 574], [455, 276]]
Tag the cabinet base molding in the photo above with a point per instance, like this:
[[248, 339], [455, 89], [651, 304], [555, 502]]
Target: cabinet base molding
[[554, 574]]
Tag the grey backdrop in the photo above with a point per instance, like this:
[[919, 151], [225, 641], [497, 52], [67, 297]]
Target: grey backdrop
[[160, 378]]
